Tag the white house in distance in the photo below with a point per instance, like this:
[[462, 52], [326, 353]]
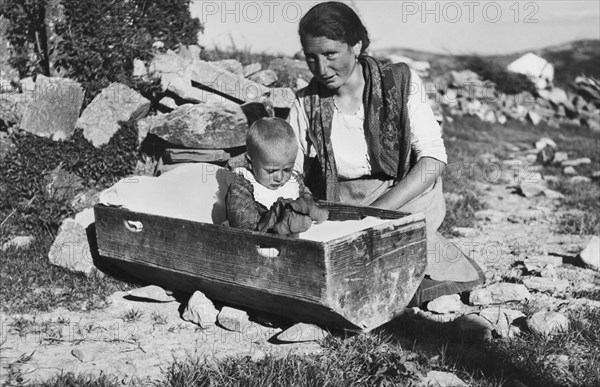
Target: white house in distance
[[536, 68]]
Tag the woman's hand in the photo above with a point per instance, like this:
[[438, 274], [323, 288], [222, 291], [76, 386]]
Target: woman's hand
[[418, 179]]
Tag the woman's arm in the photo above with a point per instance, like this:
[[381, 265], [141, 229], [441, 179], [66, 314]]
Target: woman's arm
[[419, 178]]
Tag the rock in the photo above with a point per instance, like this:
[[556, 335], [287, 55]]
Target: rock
[[530, 190], [233, 319], [85, 217], [575, 162], [62, 185], [579, 180], [596, 175], [302, 332], [168, 63], [569, 171], [71, 248], [473, 328], [251, 69], [556, 95], [534, 158], [231, 65], [491, 215], [174, 156], [534, 117], [442, 379], [264, 77], [499, 293], [465, 232], [546, 284], [28, 86], [257, 356], [118, 102], [192, 53], [446, 304], [549, 272], [151, 293], [182, 87], [224, 82], [552, 194], [54, 109], [547, 323], [590, 255], [464, 78], [200, 310], [203, 126], [536, 68], [559, 157], [139, 68], [87, 354], [538, 263], [12, 106], [18, 242], [282, 97], [168, 103], [85, 199], [292, 68], [544, 142], [502, 319]]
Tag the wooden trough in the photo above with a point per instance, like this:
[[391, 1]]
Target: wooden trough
[[357, 282]]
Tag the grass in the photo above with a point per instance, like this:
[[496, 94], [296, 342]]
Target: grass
[[534, 354], [467, 139], [28, 283]]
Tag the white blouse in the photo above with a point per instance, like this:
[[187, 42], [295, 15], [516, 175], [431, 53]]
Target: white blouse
[[349, 142]]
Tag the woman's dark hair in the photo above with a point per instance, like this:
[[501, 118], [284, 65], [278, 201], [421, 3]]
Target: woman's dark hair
[[335, 21]]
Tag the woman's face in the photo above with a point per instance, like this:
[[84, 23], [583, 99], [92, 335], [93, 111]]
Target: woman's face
[[331, 62]]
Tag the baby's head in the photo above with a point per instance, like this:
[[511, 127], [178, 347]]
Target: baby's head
[[272, 148]]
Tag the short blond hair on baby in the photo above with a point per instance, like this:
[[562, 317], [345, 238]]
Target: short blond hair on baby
[[270, 135]]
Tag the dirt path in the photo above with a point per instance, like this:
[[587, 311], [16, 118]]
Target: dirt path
[[512, 229]]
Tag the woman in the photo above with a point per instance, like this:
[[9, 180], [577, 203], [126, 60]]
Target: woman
[[368, 137]]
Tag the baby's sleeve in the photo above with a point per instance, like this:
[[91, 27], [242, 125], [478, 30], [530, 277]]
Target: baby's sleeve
[[242, 210]]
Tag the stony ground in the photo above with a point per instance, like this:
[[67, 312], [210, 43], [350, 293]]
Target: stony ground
[[138, 339]]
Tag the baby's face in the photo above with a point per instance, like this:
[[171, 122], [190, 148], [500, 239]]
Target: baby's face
[[273, 170]]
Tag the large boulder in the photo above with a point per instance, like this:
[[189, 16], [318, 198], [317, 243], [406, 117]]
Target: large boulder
[[54, 109], [290, 70], [536, 68], [231, 65], [117, 102], [202, 126], [224, 82]]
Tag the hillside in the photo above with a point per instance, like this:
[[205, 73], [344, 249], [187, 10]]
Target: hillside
[[569, 59]]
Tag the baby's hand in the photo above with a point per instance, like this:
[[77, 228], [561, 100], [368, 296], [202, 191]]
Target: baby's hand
[[306, 205]]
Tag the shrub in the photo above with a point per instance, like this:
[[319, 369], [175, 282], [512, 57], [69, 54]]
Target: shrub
[[506, 81], [99, 39], [26, 33], [22, 174]]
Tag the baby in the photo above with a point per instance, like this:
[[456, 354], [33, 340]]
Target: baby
[[267, 193]]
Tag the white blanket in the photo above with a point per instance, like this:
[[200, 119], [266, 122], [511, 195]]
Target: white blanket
[[197, 192]]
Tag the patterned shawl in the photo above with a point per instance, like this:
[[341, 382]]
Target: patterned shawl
[[387, 127]]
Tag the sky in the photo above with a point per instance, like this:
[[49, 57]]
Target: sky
[[452, 27]]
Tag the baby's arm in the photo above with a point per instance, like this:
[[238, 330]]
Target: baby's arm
[[242, 210]]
